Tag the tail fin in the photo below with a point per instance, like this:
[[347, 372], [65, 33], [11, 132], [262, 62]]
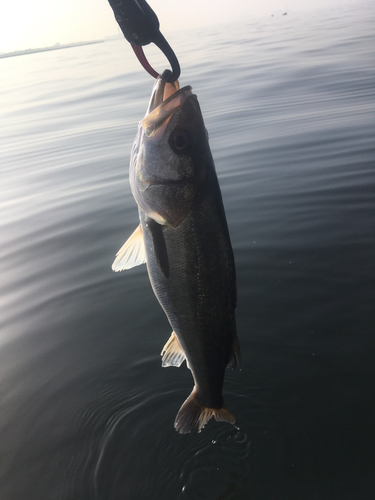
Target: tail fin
[[192, 413]]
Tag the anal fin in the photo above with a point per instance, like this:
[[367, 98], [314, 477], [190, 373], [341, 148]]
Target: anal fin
[[172, 353]]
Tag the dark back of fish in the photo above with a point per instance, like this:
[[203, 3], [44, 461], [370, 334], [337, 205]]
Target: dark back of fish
[[192, 272], [183, 237]]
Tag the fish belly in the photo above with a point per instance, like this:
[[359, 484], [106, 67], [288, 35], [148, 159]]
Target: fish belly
[[196, 287]]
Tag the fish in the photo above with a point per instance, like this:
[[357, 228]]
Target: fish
[[184, 240]]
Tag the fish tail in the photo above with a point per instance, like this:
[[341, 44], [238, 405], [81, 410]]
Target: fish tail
[[192, 413]]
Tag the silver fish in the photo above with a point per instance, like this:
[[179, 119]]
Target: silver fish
[[183, 238]]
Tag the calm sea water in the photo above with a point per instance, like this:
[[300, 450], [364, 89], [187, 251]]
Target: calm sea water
[[86, 411]]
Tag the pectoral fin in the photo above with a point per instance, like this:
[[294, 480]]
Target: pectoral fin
[[173, 354], [160, 248], [132, 253]]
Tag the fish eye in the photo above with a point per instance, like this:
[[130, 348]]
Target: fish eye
[[180, 139]]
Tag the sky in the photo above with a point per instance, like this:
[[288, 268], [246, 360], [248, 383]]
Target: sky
[[28, 24]]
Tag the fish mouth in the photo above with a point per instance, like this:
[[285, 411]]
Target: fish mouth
[[166, 99], [162, 90]]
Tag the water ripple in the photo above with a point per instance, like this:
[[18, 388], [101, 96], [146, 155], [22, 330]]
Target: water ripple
[[214, 471]]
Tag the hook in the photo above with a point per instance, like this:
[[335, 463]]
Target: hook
[[140, 26]]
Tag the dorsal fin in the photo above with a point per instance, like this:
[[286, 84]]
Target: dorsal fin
[[235, 358], [132, 253]]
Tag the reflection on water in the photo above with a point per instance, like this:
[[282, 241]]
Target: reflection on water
[[86, 410]]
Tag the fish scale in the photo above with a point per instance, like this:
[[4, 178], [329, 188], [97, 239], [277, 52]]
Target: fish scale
[[186, 246]]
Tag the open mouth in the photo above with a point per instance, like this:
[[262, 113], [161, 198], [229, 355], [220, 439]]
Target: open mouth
[[162, 90], [167, 98]]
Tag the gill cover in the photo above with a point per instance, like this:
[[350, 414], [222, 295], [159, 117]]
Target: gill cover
[[164, 159]]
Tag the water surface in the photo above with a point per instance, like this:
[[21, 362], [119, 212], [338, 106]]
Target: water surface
[[86, 411]]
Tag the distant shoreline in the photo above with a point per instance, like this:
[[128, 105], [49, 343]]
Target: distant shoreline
[[45, 49]]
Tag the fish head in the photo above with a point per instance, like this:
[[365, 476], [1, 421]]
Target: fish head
[[169, 154]]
